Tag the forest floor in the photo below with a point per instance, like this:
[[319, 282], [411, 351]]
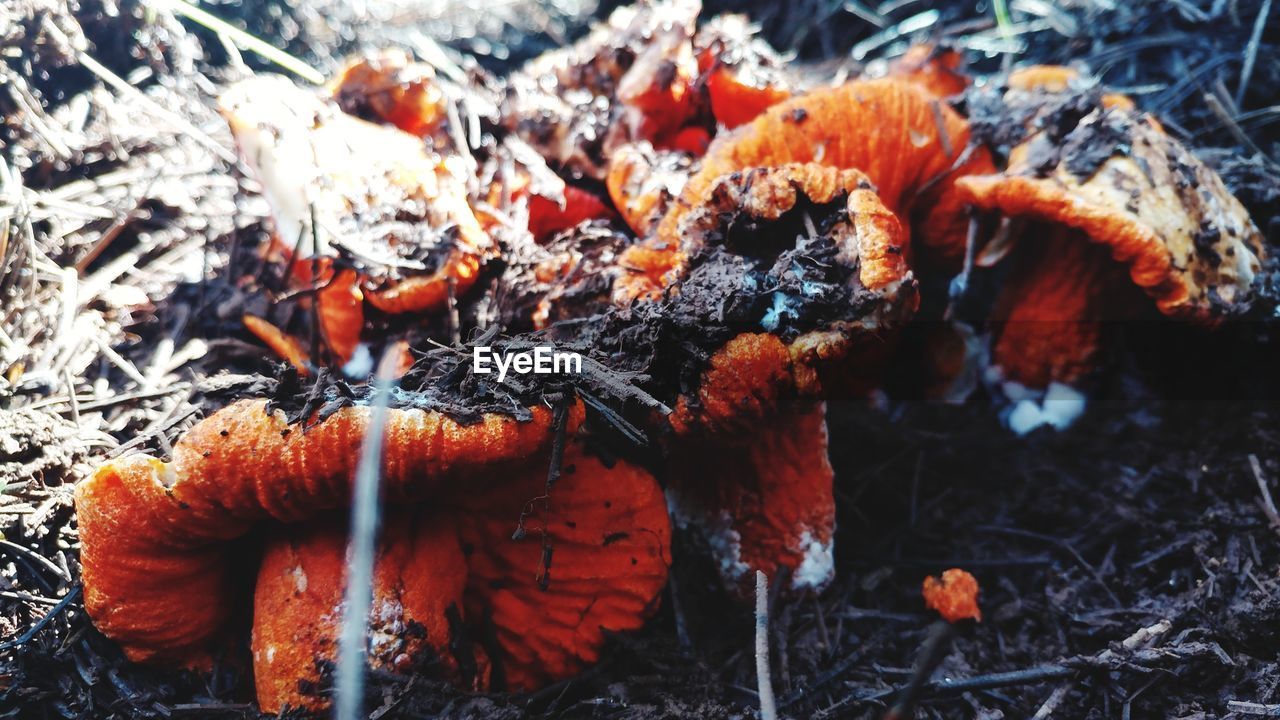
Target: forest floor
[[124, 216]]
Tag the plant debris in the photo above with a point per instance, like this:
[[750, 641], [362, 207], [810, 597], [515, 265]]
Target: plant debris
[[1128, 566]]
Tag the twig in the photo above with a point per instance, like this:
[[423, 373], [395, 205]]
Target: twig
[[1251, 51], [62, 605], [931, 654], [121, 85], [1052, 702], [1133, 642], [1252, 708], [1268, 503], [244, 39], [36, 558], [768, 706]]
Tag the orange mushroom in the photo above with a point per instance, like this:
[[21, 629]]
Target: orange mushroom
[[284, 346], [548, 217], [762, 499], [593, 555], [419, 577], [954, 597], [742, 74], [1108, 204], [350, 194], [910, 147], [389, 87], [154, 536], [806, 265], [592, 561]]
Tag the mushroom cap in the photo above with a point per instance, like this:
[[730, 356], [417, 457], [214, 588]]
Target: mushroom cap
[[340, 306], [548, 217], [866, 234], [762, 500], [453, 581], [737, 97], [419, 576], [910, 146], [155, 537], [286, 347], [374, 190], [954, 596], [1188, 243], [742, 74]]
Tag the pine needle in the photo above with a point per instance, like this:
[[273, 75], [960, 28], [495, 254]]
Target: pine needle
[[243, 39]]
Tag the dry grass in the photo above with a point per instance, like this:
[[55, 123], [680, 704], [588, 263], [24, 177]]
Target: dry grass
[[125, 226]]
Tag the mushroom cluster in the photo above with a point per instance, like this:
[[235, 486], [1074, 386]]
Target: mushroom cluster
[[728, 242]]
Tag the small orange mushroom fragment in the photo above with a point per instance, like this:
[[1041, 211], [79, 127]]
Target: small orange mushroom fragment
[[742, 74], [340, 305], [736, 100], [954, 597], [284, 346], [1115, 180], [547, 217], [389, 87]]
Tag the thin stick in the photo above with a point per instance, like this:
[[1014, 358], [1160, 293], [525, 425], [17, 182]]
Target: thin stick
[[122, 86], [1251, 51], [244, 39], [931, 655], [768, 706], [1268, 503], [352, 644], [1245, 707], [1054, 700], [72, 594]]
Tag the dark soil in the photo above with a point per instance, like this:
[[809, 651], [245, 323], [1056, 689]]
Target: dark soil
[[1145, 522]]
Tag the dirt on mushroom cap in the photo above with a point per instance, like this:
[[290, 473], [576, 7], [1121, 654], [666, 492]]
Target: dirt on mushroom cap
[[1085, 167], [1187, 241]]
